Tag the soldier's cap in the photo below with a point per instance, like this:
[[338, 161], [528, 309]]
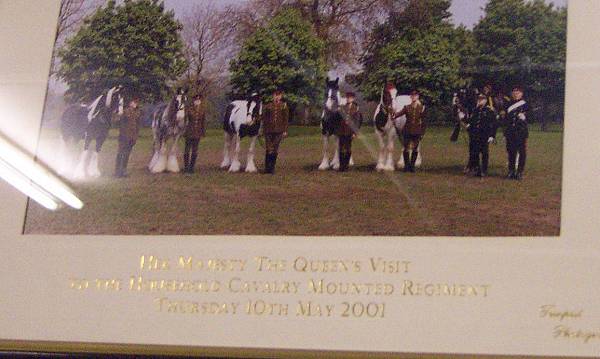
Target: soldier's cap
[[518, 88], [414, 93], [350, 94]]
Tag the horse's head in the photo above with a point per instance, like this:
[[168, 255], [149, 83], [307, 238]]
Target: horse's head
[[180, 98], [332, 99], [253, 108], [388, 95], [114, 99]]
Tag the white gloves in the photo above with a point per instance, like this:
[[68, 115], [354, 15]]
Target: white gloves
[[522, 117], [491, 140]]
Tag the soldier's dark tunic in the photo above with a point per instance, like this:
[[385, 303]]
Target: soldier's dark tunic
[[348, 127], [275, 123], [482, 126], [414, 129], [275, 120], [128, 135], [516, 132], [194, 130]]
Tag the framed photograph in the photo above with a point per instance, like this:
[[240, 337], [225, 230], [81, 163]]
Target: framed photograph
[[292, 178]]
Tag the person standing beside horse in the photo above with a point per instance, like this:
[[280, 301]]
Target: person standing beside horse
[[516, 132], [348, 129], [413, 131], [194, 130], [128, 134], [275, 119], [482, 131]]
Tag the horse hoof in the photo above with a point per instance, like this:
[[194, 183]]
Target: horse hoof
[[251, 169], [389, 168], [323, 166]]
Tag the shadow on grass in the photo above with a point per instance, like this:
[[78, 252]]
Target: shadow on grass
[[356, 168]]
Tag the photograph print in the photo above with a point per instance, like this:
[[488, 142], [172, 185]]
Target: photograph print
[[306, 118]]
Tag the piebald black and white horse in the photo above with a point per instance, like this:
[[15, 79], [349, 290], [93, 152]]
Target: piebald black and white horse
[[387, 127], [330, 120], [88, 123], [168, 125], [242, 119]]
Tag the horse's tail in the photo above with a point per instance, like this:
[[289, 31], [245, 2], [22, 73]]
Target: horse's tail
[[227, 126]]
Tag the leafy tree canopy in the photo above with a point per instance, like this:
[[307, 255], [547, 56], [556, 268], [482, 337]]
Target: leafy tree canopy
[[135, 44], [523, 42], [416, 49], [284, 54]]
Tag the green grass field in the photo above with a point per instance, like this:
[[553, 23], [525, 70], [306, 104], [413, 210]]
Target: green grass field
[[300, 200]]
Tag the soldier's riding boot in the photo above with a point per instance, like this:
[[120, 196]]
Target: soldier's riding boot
[[118, 165], [343, 163], [124, 163], [413, 160], [521, 169], [406, 156], [512, 159], [273, 163], [186, 162], [269, 163], [347, 160], [192, 163], [485, 160]]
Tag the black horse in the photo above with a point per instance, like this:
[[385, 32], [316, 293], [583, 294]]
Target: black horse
[[168, 125], [330, 121], [464, 102], [88, 123]]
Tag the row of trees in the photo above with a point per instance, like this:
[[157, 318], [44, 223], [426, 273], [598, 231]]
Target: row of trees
[[264, 44]]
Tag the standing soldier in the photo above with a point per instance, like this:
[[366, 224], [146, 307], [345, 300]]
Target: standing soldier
[[275, 127], [482, 131], [348, 129], [194, 130], [516, 133], [413, 131], [128, 134]]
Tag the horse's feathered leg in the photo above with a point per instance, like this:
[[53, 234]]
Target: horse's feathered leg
[[93, 169], [80, 169], [389, 162], [419, 157], [226, 154], [250, 165], [335, 161], [235, 163], [64, 158], [172, 162], [381, 158], [155, 148], [325, 162], [161, 163]]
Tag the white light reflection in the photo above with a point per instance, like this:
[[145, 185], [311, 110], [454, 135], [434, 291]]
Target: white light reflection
[[32, 179]]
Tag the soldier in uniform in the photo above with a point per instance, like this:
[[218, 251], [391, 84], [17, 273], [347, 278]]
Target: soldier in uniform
[[128, 134], [413, 131], [194, 130], [482, 131], [516, 132], [275, 127], [348, 129]]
